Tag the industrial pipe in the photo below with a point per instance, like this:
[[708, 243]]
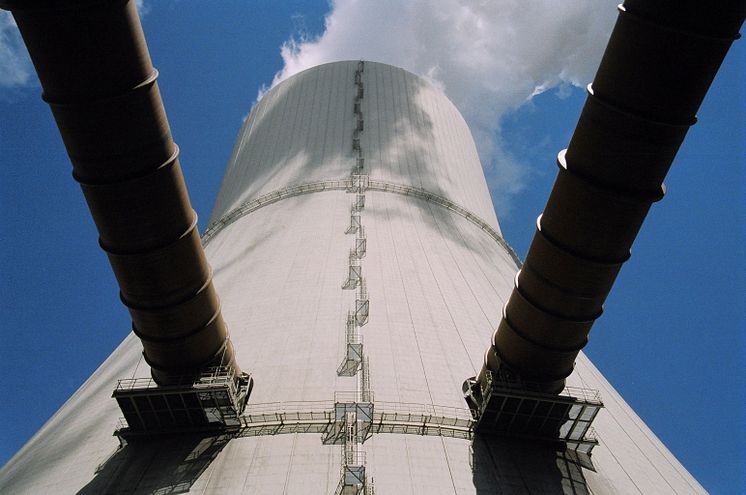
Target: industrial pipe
[[97, 77], [661, 59]]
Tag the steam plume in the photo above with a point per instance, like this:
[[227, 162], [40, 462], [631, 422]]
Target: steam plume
[[489, 56]]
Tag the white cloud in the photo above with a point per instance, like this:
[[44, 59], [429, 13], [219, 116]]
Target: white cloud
[[489, 56], [15, 64]]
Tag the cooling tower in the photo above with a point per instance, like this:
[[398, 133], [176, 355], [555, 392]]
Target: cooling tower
[[362, 273]]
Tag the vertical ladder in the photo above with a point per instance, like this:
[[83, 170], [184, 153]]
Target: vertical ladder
[[354, 413], [365, 393]]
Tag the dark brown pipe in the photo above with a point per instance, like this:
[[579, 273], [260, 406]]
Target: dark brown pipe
[[659, 63], [98, 79]]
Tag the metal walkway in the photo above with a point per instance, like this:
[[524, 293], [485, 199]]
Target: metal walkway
[[352, 184], [277, 418]]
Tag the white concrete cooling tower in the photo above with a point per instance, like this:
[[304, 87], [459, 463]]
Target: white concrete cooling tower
[[362, 273]]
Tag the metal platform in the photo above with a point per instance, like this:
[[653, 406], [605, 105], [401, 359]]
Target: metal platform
[[353, 480], [353, 418], [509, 407], [353, 358], [214, 401]]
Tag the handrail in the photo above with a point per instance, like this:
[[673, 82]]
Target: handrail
[[344, 184]]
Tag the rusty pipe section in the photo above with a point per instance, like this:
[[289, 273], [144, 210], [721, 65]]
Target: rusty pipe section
[[97, 77], [661, 59]]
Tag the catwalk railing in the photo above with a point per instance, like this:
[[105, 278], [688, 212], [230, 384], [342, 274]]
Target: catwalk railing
[[348, 184], [277, 418]]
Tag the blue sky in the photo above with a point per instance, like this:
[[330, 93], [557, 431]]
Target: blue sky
[[671, 339]]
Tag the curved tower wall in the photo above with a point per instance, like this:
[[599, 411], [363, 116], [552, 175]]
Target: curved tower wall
[[302, 131], [421, 258], [436, 274]]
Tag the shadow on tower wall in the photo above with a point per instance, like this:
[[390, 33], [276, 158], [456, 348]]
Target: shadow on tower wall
[[504, 465], [290, 139], [163, 466]]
